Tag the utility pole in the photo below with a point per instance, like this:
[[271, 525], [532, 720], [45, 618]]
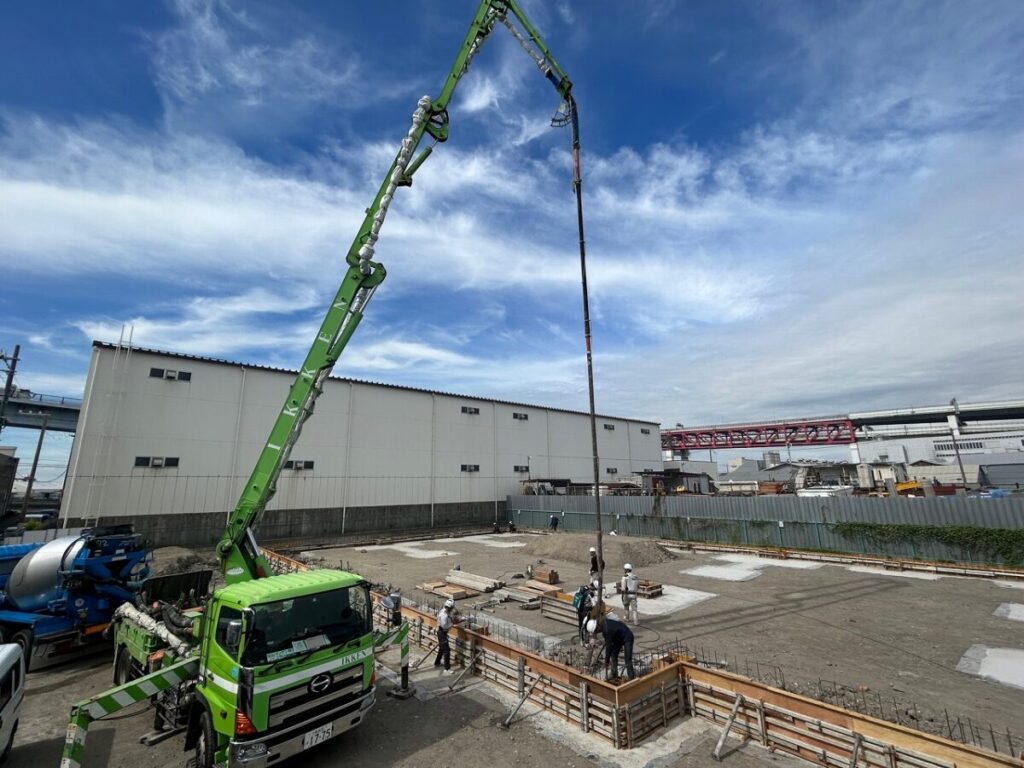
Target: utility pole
[[956, 448], [12, 364], [35, 465]]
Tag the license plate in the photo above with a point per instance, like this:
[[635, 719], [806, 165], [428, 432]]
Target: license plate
[[317, 736]]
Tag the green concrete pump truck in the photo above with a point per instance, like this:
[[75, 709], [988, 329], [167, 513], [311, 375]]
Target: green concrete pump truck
[[271, 665]]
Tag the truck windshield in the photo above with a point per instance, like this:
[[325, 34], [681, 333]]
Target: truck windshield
[[304, 624]]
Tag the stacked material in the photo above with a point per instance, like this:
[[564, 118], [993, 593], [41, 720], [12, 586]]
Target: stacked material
[[443, 589], [529, 598], [648, 588], [540, 587], [545, 575], [472, 581]]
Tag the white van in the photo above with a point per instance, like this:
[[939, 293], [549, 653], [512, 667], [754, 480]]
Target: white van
[[12, 691]]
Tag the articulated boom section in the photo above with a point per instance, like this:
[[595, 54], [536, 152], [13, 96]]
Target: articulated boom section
[[240, 557]]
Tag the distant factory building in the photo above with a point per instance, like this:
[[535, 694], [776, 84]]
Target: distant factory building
[[167, 440]]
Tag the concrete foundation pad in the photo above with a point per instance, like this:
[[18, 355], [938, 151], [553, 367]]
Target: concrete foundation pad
[[723, 572], [1009, 584], [900, 574], [496, 540], [1012, 611], [1000, 665], [672, 599], [757, 563], [412, 549]]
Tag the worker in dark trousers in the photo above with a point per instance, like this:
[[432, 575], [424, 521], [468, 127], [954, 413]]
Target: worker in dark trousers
[[553, 523], [595, 566], [445, 621], [583, 600], [618, 638]]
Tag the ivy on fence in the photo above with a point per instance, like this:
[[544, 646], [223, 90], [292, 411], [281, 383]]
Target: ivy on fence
[[989, 544]]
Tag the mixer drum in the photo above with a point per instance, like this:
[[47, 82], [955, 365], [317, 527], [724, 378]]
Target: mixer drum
[[35, 580]]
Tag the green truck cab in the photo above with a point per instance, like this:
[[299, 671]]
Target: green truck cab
[[285, 663]]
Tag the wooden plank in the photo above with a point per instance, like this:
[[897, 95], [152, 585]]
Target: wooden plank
[[899, 736], [540, 586]]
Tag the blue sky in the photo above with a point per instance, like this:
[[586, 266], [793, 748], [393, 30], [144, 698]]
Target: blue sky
[[792, 208]]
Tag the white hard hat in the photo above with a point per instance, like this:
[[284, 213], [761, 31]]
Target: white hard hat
[[628, 567], [592, 626], [449, 603], [596, 585], [592, 549]]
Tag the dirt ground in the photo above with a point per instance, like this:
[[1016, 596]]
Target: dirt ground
[[876, 641], [869, 635]]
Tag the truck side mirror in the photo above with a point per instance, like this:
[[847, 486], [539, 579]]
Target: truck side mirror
[[234, 634]]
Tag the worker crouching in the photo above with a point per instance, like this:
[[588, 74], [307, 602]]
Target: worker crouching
[[618, 638]]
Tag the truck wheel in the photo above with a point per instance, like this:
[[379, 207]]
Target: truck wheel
[[23, 637], [206, 742], [122, 666]]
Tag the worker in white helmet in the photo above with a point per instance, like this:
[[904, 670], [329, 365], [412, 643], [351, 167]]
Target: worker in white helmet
[[595, 566], [618, 638], [629, 587], [445, 621]]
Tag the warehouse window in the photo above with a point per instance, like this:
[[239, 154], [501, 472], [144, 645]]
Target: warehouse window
[[470, 467], [170, 375], [470, 410], [171, 461], [610, 427], [644, 431], [142, 461], [300, 464], [521, 468], [612, 470], [520, 416]]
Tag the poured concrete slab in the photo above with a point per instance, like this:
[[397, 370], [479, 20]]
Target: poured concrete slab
[[412, 549], [1000, 665], [899, 574], [672, 599], [1012, 611], [1009, 584], [724, 572], [496, 540], [755, 562]]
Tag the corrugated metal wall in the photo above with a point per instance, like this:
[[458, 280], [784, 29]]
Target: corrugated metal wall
[[806, 523]]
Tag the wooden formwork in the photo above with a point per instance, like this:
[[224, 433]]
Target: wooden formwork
[[626, 714]]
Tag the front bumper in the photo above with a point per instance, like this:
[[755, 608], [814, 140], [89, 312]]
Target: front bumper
[[286, 743]]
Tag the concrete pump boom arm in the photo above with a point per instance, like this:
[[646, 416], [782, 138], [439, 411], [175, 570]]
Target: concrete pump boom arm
[[237, 550]]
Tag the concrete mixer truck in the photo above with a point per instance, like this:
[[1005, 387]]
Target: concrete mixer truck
[[59, 596]]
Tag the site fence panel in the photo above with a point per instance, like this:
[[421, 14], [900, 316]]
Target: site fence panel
[[777, 524]]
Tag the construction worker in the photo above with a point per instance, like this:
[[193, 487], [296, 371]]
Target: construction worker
[[594, 565], [511, 527], [583, 601], [553, 523], [618, 638], [445, 621], [629, 586]]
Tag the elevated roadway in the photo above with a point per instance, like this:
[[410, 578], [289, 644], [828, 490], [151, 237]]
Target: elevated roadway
[[26, 409]]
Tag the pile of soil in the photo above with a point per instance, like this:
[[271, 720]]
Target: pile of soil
[[575, 548], [180, 560]]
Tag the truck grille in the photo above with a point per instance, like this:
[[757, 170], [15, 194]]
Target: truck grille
[[304, 702]]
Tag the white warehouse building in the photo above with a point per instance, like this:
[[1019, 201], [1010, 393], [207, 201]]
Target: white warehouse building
[[167, 440]]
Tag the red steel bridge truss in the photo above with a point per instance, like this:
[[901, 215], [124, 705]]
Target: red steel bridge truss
[[813, 432]]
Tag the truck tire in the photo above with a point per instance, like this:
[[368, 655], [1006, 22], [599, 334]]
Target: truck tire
[[206, 741], [122, 666], [23, 637]]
